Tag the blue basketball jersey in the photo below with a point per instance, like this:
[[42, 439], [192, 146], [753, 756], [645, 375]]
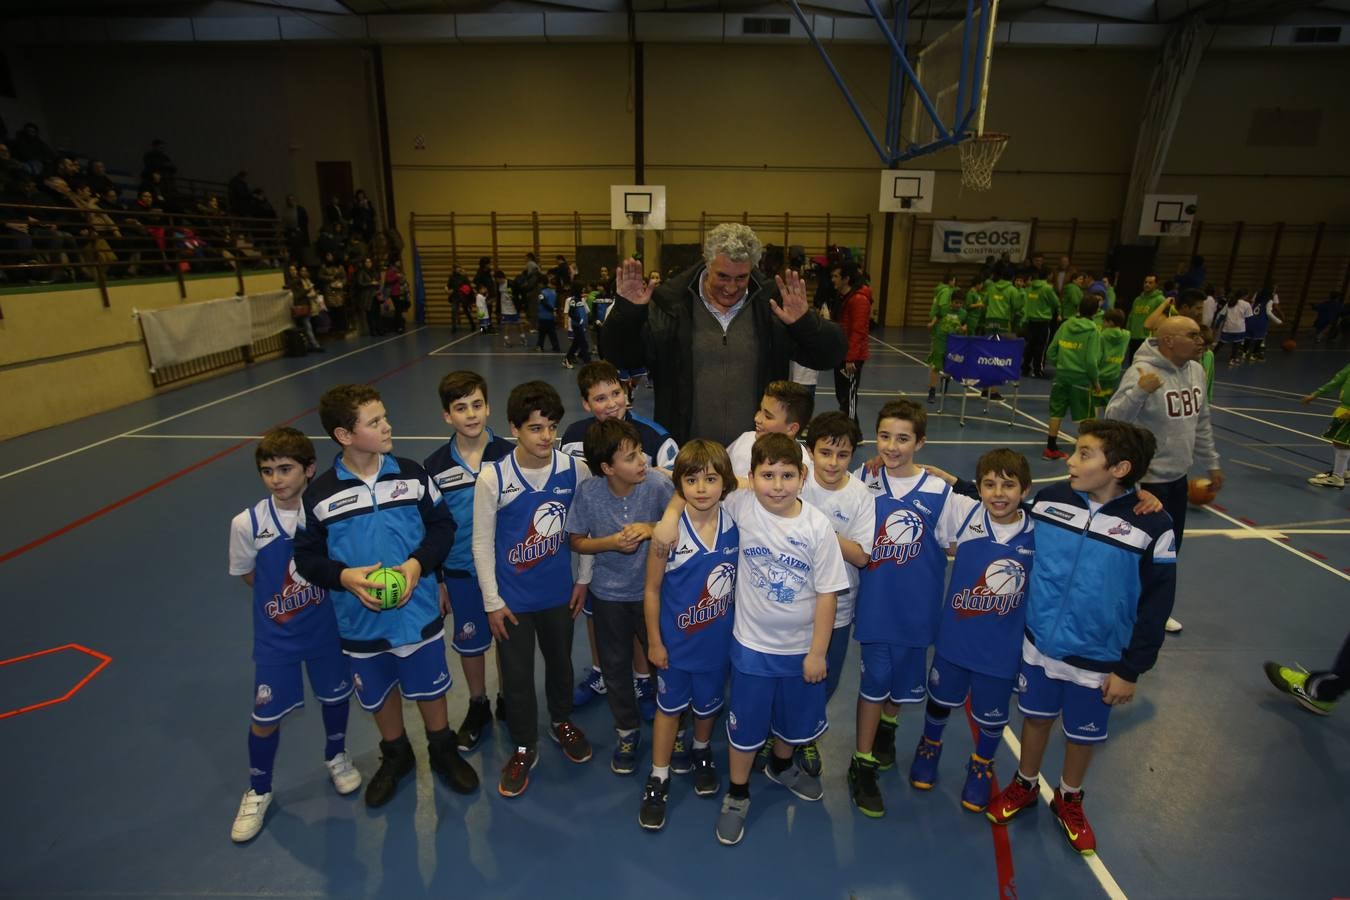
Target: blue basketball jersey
[[292, 619], [984, 610], [534, 564], [900, 589], [698, 595], [456, 479]]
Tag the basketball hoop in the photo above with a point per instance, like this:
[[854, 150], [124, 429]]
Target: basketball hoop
[[978, 156]]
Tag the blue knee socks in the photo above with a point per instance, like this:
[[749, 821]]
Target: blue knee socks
[[262, 753], [986, 745], [335, 728]]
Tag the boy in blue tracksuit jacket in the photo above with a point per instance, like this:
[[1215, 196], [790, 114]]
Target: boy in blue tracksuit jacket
[[1099, 597], [373, 509]]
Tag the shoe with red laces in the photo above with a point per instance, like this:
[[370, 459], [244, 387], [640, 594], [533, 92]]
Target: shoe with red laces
[[574, 744], [516, 773], [1053, 454], [1068, 809], [1014, 798]]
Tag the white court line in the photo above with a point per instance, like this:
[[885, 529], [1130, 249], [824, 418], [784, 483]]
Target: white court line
[[1311, 522], [195, 409], [1254, 387], [1282, 412], [1243, 415], [1265, 533], [251, 437], [1281, 544], [1094, 862], [1250, 465]]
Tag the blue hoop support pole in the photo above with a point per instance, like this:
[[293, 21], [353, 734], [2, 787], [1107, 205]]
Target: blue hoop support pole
[[899, 57], [885, 156]]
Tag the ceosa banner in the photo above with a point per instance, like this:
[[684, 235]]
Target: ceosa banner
[[955, 242]]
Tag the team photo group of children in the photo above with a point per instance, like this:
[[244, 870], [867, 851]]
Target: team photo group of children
[[716, 582]]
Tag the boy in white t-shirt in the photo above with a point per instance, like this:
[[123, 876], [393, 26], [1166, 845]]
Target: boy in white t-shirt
[[785, 408], [789, 572], [848, 505]]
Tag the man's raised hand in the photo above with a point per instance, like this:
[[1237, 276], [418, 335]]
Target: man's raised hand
[[792, 304], [630, 285]]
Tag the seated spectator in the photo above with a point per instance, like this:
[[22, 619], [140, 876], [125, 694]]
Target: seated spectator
[[11, 170], [47, 241], [147, 229], [332, 241], [30, 149], [96, 176], [153, 184]]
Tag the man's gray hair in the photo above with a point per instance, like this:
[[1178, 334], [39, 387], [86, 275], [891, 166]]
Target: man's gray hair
[[733, 240]]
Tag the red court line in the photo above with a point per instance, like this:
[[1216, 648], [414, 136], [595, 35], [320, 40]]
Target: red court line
[[1003, 860], [117, 504], [103, 659]]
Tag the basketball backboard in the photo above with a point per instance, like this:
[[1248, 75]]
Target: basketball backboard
[[634, 207], [907, 190], [1167, 215]]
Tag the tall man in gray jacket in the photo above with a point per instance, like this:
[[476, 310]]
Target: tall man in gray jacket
[[1163, 390]]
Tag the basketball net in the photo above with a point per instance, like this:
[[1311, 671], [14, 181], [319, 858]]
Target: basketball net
[[978, 156]]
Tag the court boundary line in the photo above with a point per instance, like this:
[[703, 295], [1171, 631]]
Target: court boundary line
[[103, 659], [1234, 412], [187, 412], [1281, 544]]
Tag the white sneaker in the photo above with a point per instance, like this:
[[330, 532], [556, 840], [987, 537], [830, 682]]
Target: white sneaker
[[345, 777], [1172, 626], [249, 820], [1327, 479]]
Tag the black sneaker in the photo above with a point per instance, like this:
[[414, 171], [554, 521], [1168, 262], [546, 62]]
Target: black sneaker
[[652, 813], [446, 762], [396, 761], [516, 773], [501, 708], [883, 748], [863, 788], [477, 718], [707, 783]]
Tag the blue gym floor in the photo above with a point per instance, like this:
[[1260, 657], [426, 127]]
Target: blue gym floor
[[115, 538]]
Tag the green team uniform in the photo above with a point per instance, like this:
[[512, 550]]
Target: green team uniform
[[998, 306], [1338, 432], [974, 310], [1207, 361], [1076, 353], [1069, 300], [1040, 302], [1140, 310], [1114, 343], [949, 322]]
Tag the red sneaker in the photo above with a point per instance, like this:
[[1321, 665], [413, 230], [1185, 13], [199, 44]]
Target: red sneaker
[[1069, 811], [1054, 454], [1010, 801]]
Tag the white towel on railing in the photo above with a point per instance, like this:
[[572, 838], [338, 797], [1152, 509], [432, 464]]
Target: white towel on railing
[[271, 313], [180, 333]]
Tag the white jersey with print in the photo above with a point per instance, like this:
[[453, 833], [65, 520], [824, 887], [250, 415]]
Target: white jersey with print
[[851, 512], [783, 564], [739, 451]]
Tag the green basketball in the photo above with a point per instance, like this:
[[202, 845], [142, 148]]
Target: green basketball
[[390, 586]]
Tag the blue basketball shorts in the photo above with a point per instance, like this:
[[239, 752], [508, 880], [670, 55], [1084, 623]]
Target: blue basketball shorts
[[679, 689], [278, 688], [424, 675], [1082, 711], [990, 697], [784, 704], [892, 672], [472, 636]]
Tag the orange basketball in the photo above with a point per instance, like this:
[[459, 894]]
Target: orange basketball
[[1288, 344], [1200, 492]]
